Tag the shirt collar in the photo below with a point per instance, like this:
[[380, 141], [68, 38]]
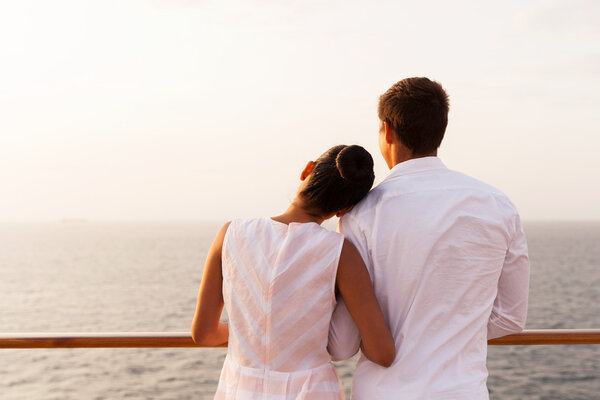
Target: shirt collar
[[416, 165]]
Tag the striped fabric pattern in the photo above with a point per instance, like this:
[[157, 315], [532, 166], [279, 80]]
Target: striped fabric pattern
[[279, 292]]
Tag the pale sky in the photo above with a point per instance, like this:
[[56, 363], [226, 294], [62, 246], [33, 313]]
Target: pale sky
[[191, 110]]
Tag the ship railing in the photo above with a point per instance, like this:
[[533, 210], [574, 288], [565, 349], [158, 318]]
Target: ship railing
[[184, 339]]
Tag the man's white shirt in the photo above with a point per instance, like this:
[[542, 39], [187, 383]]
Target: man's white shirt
[[448, 259]]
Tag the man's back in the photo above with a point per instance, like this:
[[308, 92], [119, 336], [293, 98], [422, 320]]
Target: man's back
[[449, 265]]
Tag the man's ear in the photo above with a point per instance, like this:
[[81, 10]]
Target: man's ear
[[390, 135], [307, 170], [341, 213]]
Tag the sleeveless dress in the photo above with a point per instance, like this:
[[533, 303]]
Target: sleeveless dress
[[279, 292]]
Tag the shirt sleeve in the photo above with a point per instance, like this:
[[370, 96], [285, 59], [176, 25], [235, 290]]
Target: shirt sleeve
[[344, 339], [510, 306]]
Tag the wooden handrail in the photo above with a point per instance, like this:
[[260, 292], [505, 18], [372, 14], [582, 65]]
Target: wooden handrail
[[95, 339], [549, 337], [183, 339]]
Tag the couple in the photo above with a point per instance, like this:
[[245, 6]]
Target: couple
[[425, 269]]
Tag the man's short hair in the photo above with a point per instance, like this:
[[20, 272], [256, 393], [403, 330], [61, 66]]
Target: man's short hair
[[417, 111]]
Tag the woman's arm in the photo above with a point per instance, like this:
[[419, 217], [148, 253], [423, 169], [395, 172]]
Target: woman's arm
[[206, 327], [354, 284]]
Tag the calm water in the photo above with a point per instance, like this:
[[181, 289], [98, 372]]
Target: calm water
[[145, 277]]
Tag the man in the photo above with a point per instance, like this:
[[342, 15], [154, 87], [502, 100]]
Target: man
[[447, 256]]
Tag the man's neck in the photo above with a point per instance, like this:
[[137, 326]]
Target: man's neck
[[403, 154]]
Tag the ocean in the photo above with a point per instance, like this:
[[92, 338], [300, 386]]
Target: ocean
[[132, 277]]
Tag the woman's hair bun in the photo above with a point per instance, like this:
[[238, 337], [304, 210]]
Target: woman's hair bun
[[341, 177], [355, 164]]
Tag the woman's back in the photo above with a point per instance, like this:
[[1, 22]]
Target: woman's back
[[279, 291]]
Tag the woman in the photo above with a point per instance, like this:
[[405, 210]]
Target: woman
[[278, 278]]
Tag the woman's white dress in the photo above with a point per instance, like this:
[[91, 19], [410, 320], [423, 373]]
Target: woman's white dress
[[279, 292]]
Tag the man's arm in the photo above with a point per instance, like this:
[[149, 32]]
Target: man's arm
[[344, 339], [510, 306]]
